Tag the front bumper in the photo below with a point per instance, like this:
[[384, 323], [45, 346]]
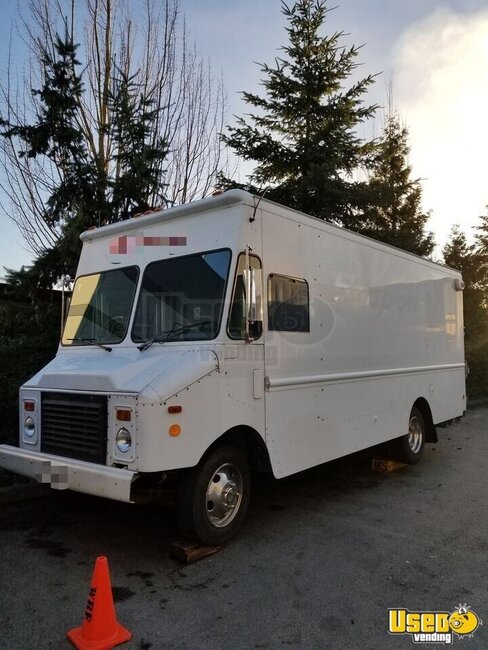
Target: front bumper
[[69, 474]]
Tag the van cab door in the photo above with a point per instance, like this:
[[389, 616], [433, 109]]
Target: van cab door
[[245, 351]]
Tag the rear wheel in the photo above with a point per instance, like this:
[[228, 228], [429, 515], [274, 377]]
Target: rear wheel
[[409, 448], [213, 497]]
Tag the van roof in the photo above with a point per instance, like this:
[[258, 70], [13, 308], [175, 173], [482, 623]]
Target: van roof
[[227, 199], [223, 200]]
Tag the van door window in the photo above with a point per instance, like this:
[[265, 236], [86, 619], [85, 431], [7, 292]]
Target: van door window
[[288, 304]]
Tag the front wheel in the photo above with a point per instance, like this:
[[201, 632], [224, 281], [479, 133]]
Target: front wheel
[[409, 448], [214, 496]]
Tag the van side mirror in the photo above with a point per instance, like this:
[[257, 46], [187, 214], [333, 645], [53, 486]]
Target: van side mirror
[[65, 301], [253, 287]]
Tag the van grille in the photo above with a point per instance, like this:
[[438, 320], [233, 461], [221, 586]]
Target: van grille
[[74, 426]]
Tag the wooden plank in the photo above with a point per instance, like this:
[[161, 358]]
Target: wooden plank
[[189, 552], [385, 465]]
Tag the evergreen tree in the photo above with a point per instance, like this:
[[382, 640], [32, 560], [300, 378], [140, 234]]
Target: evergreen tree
[[303, 133], [55, 134], [482, 238], [468, 259], [394, 214], [132, 123], [55, 138], [139, 158], [89, 191]]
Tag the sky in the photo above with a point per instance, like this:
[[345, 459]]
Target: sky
[[433, 53]]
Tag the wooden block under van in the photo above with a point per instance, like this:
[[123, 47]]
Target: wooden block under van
[[383, 465], [189, 552]]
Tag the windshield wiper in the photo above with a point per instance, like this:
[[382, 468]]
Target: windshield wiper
[[165, 336], [107, 348]]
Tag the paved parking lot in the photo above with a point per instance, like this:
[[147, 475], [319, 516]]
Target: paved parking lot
[[320, 559]]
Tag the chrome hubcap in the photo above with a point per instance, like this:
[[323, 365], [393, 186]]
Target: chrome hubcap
[[415, 434], [224, 495]]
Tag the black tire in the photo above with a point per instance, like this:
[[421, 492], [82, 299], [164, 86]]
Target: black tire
[[409, 448], [214, 496]]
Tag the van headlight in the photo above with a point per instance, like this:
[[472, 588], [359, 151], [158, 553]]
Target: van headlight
[[123, 440], [29, 427]]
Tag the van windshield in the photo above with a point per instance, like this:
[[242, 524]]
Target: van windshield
[[182, 298], [100, 307]]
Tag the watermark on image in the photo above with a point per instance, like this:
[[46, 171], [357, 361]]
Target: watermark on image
[[440, 627]]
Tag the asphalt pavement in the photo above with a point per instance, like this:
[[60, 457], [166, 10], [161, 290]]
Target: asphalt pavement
[[321, 558]]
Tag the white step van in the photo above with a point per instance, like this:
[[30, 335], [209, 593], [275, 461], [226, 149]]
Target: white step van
[[233, 334]]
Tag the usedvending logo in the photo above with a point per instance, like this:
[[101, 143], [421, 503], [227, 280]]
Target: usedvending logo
[[434, 627]]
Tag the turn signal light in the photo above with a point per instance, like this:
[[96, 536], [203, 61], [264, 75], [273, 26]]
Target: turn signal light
[[174, 430], [124, 415], [175, 409], [29, 406]]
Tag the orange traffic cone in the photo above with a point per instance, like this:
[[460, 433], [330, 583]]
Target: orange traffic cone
[[100, 629]]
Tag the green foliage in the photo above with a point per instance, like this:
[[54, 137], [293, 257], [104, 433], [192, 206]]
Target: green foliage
[[139, 161], [482, 238], [92, 189], [56, 136], [29, 335], [470, 259], [303, 131], [393, 213]]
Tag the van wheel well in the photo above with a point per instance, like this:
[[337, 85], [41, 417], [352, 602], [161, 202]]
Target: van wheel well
[[430, 431], [249, 440]]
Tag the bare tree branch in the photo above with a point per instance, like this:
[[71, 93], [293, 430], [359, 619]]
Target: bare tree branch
[[153, 48]]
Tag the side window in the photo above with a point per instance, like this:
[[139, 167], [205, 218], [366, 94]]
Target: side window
[[236, 327], [288, 304]]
